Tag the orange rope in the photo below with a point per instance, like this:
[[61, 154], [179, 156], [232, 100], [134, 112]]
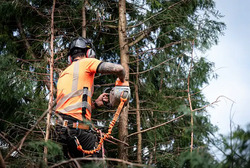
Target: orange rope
[[111, 125]]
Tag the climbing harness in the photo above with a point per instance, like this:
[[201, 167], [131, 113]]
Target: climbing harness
[[111, 125]]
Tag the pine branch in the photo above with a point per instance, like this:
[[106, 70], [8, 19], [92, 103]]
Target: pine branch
[[1, 135], [159, 48], [142, 36], [155, 66], [99, 159], [157, 126], [15, 125], [155, 15], [35, 9], [22, 33], [20, 144]]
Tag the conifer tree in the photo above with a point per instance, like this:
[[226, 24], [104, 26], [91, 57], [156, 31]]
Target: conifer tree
[[156, 45]]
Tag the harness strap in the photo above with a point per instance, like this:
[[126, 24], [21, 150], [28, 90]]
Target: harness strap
[[77, 125], [76, 106], [71, 95]]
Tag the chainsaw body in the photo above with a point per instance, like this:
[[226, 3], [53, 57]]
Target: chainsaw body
[[121, 90]]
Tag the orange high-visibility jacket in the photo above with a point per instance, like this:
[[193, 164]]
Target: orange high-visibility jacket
[[75, 88]]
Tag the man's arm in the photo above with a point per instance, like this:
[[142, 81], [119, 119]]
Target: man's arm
[[111, 68]]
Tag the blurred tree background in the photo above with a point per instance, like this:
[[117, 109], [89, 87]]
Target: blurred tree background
[[157, 41]]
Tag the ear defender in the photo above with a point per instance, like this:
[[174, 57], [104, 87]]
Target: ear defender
[[69, 60], [90, 53]]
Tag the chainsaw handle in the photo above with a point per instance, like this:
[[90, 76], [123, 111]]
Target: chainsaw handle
[[120, 83], [107, 90]]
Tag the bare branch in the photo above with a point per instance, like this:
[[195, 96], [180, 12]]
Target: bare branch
[[35, 9], [2, 164], [155, 66], [189, 100], [111, 26], [143, 35], [111, 137], [157, 126], [19, 146], [155, 15], [210, 104], [51, 80], [99, 159], [23, 128], [1, 135]]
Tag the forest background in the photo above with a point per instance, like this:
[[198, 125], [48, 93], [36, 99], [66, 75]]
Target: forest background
[[166, 123]]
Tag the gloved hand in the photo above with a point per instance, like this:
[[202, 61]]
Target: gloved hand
[[101, 99]]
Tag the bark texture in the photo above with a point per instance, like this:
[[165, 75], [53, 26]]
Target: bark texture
[[51, 79], [138, 115], [123, 121], [84, 18]]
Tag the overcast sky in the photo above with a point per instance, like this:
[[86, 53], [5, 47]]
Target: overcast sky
[[232, 61]]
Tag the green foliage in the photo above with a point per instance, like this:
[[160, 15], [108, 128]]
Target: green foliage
[[94, 165], [34, 152], [54, 149], [236, 148], [15, 87], [196, 159], [165, 54], [163, 89]]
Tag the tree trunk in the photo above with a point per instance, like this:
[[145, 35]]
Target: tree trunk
[[123, 121], [138, 119], [51, 79], [190, 102], [84, 18], [2, 164]]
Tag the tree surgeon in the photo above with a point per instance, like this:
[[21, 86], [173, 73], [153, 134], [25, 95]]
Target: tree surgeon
[[74, 92]]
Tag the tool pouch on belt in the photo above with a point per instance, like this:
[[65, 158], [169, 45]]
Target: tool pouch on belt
[[61, 133], [65, 126]]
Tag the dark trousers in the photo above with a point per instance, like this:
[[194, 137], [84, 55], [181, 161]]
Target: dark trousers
[[87, 138]]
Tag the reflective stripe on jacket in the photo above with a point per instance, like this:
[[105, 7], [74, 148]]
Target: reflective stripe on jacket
[[75, 88]]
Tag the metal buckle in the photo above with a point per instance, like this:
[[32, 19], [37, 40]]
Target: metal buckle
[[65, 123], [77, 124]]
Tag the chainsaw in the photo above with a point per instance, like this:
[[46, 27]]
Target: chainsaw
[[121, 90]]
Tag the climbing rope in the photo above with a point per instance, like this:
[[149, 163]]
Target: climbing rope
[[106, 135]]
